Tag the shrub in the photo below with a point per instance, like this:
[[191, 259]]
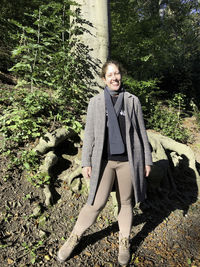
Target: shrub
[[167, 121]]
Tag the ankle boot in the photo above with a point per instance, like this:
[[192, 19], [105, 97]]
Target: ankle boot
[[66, 250], [124, 250]]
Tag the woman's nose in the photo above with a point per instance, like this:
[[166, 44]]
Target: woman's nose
[[114, 76]]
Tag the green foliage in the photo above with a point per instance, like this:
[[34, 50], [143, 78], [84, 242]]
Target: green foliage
[[168, 119], [9, 11], [167, 123], [145, 90], [156, 39], [178, 101], [39, 179], [24, 160], [47, 56], [26, 117], [32, 250], [50, 53], [54, 68], [19, 126], [31, 160]]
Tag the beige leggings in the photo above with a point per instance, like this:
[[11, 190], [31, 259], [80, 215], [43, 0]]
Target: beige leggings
[[118, 172]]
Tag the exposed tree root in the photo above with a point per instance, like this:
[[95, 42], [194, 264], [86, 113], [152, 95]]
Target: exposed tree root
[[174, 168]]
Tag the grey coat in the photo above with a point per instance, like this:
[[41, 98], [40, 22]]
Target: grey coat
[[138, 149]]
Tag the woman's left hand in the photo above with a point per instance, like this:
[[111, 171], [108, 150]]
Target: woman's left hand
[[147, 170]]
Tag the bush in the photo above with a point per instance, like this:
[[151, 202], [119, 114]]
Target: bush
[[167, 121]]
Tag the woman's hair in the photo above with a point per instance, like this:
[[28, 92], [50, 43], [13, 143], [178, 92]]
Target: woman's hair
[[105, 66]]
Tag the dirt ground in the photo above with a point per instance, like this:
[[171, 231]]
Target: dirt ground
[[31, 233]]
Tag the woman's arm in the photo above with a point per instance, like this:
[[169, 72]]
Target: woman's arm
[[143, 132], [88, 141]]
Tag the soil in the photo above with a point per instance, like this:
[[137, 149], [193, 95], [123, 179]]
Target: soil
[[31, 233]]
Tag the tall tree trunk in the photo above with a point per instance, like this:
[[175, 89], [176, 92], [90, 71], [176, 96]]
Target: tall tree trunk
[[97, 36]]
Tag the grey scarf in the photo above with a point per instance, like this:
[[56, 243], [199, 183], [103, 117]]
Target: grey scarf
[[114, 134]]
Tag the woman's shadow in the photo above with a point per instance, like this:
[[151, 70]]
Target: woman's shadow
[[169, 188]]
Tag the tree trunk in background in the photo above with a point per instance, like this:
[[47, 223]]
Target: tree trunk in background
[[97, 37]]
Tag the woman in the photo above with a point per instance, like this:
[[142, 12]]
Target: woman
[[116, 152]]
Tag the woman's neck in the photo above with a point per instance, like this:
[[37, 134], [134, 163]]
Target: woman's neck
[[114, 92]]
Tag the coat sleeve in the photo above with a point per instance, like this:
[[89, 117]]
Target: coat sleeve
[[88, 141], [143, 133]]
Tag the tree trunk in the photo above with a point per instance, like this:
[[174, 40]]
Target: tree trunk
[[97, 35]]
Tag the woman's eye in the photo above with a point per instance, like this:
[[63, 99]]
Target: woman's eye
[[116, 73]]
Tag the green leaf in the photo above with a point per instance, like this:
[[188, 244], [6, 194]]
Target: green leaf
[[27, 166]]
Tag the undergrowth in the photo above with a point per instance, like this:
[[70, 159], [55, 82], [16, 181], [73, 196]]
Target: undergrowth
[[164, 117], [53, 69], [25, 116]]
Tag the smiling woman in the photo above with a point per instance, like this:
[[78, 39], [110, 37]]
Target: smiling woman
[[114, 135]]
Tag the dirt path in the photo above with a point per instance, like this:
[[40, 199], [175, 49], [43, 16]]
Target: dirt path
[[168, 238]]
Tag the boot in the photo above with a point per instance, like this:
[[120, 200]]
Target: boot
[[66, 250], [124, 250]]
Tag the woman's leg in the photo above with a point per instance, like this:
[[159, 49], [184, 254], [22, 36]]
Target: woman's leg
[[124, 196], [125, 214], [89, 213]]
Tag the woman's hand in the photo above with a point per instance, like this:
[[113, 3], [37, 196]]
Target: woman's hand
[[86, 171], [147, 170]]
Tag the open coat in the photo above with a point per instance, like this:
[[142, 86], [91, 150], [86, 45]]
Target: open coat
[[138, 148]]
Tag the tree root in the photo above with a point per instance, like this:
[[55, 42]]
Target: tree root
[[174, 168]]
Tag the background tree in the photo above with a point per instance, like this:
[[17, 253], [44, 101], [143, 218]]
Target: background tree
[[159, 39], [10, 11]]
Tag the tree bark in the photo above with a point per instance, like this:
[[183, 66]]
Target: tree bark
[[96, 36]]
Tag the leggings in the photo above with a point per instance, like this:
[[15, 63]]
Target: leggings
[[118, 172]]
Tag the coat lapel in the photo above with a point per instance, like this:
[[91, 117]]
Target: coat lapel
[[129, 107]]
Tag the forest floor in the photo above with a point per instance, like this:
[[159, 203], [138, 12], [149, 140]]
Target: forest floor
[[31, 233]]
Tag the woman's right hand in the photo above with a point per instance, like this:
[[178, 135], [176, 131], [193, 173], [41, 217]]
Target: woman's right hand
[[86, 171]]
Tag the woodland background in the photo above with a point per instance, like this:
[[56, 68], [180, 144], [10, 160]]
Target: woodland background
[[46, 84]]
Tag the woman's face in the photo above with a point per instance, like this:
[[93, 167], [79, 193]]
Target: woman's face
[[112, 77]]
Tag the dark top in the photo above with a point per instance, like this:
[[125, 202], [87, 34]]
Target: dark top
[[106, 150]]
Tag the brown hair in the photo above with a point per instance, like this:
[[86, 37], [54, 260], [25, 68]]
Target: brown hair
[[105, 66]]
